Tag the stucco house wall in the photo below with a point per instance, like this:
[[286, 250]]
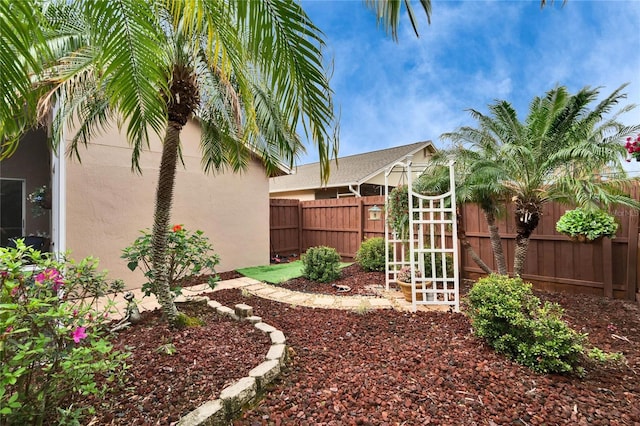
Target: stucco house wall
[[296, 195], [107, 205]]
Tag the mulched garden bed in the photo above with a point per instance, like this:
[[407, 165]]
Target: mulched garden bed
[[381, 368], [160, 387]]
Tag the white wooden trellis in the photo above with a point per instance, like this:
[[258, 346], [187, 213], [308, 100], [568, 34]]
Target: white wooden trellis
[[432, 236]]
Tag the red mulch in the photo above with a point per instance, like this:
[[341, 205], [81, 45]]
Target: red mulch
[[382, 368], [160, 388], [353, 276]]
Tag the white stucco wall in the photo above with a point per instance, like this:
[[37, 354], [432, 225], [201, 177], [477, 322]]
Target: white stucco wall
[[107, 204]]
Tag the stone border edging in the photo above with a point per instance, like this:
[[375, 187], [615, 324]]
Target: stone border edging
[[232, 398]]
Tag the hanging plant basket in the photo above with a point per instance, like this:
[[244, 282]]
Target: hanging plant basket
[[587, 226], [584, 239]]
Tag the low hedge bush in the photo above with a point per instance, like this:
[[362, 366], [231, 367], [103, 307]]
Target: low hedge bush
[[510, 318], [321, 264], [370, 255]]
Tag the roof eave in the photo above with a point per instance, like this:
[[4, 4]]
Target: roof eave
[[427, 145]]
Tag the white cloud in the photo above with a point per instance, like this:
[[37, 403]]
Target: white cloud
[[473, 53]]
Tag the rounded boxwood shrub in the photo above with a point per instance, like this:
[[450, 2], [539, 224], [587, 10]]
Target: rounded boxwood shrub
[[370, 255], [510, 318], [321, 264]]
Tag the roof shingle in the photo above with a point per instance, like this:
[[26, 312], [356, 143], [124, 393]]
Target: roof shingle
[[350, 170]]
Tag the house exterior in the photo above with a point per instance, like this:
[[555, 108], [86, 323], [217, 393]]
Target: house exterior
[[99, 205], [353, 176]]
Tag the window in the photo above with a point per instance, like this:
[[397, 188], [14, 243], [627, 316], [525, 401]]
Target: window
[[12, 201]]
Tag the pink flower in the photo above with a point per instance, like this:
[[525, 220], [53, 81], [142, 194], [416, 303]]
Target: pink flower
[[78, 334], [51, 274]]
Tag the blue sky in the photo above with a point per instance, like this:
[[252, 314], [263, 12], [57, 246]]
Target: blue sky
[[473, 53]]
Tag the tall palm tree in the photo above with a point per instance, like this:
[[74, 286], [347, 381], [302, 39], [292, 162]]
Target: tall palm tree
[[251, 72], [557, 153]]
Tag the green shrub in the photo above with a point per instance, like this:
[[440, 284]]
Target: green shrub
[[189, 254], [370, 255], [510, 318], [53, 337], [321, 264]]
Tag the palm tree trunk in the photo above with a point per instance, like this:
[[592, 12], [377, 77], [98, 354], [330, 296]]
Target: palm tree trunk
[[496, 242], [527, 215], [464, 242], [520, 255], [162, 214]]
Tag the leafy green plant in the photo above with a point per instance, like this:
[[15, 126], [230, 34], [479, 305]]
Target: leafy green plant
[[53, 337], [321, 264], [371, 254], [597, 354], [510, 318], [189, 254], [587, 225]]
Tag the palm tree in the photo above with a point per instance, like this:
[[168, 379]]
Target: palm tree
[[251, 72], [557, 153], [388, 13], [21, 55]]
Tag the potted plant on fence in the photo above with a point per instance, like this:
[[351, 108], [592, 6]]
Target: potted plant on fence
[[587, 225]]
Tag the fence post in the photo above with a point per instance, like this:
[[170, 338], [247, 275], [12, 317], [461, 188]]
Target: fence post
[[300, 228], [607, 267], [361, 219], [632, 257]]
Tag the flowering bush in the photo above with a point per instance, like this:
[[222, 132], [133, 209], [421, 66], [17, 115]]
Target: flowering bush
[[52, 336], [633, 148], [189, 254]]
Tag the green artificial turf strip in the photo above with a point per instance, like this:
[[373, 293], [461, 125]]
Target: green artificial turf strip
[[276, 273]]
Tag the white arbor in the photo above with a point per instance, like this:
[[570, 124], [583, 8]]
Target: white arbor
[[430, 249]]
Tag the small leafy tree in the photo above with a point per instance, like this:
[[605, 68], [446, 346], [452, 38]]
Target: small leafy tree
[[188, 254], [53, 339]]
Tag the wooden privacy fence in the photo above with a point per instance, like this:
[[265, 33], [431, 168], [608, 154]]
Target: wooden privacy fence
[[341, 223], [607, 267]]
